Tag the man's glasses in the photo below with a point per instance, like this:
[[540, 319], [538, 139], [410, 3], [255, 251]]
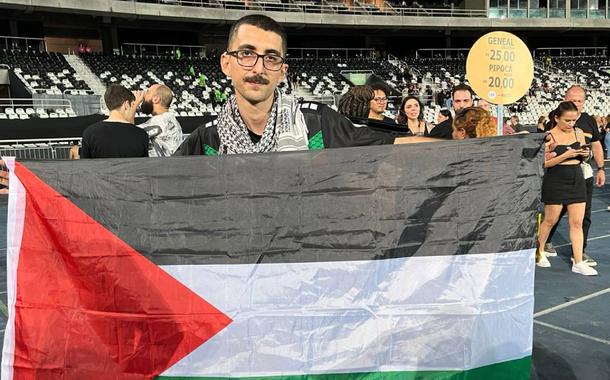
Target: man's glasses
[[380, 100], [248, 58]]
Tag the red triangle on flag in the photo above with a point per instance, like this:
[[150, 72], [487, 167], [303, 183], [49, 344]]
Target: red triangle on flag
[[88, 306]]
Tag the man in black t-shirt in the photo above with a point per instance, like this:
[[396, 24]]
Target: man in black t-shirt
[[578, 96], [462, 96], [116, 136], [259, 118]]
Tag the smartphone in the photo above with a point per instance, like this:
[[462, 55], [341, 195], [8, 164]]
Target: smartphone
[[585, 146]]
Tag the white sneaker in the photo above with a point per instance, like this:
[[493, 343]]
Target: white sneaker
[[584, 269], [589, 262], [543, 262], [549, 250]]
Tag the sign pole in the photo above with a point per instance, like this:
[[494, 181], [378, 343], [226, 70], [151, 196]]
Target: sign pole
[[500, 116]]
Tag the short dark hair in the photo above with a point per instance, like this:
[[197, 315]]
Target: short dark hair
[[262, 22], [116, 95], [462, 87], [446, 113]]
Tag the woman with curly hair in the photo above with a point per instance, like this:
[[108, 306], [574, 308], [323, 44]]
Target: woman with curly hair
[[355, 102], [473, 122]]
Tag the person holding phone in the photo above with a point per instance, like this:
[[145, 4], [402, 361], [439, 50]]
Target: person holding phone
[[593, 177], [564, 185]]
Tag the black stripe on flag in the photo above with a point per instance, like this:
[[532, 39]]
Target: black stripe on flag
[[377, 202]]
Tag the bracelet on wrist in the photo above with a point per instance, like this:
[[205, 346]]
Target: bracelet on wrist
[[602, 168]]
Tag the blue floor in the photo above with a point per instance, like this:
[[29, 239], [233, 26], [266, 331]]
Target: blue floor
[[570, 343], [574, 342]]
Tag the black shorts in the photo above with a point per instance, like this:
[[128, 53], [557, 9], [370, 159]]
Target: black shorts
[[564, 185]]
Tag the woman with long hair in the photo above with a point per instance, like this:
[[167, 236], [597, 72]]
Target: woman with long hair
[[411, 114], [563, 185]]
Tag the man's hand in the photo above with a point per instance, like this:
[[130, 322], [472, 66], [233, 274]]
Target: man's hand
[[600, 178], [139, 97]]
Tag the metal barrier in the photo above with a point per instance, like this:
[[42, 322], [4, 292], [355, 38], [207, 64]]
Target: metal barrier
[[141, 48], [331, 53], [38, 149], [23, 43], [582, 51], [35, 103]]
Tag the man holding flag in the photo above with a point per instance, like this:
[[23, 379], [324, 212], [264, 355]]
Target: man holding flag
[[340, 264], [259, 118]]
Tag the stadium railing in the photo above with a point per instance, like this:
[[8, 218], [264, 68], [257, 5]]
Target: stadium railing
[[310, 7], [38, 149]]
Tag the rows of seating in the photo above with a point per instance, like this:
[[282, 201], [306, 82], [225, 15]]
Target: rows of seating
[[24, 113], [313, 76], [192, 98], [43, 72], [548, 87], [323, 76]]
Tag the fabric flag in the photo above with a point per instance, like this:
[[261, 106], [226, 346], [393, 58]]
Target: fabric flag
[[381, 262]]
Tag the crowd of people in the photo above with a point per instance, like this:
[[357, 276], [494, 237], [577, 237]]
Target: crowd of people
[[260, 118]]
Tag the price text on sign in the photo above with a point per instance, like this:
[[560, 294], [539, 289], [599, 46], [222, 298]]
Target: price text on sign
[[500, 68]]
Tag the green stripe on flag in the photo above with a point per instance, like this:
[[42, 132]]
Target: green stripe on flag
[[518, 369]]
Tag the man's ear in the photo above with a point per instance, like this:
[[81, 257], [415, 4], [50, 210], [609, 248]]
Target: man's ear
[[156, 99], [225, 61], [284, 71]]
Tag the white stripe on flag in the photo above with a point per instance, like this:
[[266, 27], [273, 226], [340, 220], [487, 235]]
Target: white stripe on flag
[[420, 313], [14, 231]]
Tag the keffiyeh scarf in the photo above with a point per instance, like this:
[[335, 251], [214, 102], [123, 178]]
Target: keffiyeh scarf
[[285, 130]]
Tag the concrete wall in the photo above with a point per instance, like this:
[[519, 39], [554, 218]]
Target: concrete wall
[[127, 9]]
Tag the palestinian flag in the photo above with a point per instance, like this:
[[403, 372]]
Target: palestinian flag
[[383, 262]]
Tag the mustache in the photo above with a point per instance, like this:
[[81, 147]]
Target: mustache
[[259, 79]]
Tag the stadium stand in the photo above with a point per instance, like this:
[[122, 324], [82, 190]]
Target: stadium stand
[[44, 72], [548, 88], [138, 73], [312, 78]]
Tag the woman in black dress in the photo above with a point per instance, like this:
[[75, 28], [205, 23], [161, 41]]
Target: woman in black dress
[[564, 184]]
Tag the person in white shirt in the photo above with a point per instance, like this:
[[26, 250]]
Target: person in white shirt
[[163, 128]]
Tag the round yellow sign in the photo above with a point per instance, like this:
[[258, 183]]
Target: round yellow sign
[[500, 68]]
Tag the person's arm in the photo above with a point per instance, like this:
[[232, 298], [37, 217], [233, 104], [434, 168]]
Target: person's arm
[[414, 140], [193, 145], [569, 154], [598, 156], [338, 131]]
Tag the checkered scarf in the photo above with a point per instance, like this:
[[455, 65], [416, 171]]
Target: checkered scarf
[[285, 130]]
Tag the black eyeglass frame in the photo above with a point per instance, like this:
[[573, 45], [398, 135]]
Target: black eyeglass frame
[[235, 53]]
